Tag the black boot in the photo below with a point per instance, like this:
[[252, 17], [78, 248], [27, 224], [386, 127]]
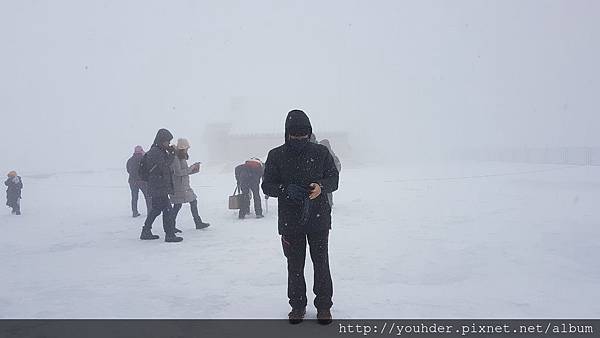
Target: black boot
[[177, 231], [200, 224], [136, 214], [259, 216], [171, 238], [147, 234], [296, 316], [324, 316]]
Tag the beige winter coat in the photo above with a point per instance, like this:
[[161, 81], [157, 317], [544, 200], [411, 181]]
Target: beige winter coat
[[182, 192]]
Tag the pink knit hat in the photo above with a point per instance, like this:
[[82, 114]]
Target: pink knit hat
[[138, 150]]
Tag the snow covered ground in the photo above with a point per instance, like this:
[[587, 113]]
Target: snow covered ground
[[415, 241]]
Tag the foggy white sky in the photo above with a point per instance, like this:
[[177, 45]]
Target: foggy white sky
[[82, 82]]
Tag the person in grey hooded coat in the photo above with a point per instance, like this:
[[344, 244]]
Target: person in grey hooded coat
[[336, 161], [182, 191]]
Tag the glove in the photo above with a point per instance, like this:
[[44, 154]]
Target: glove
[[296, 193], [305, 214], [299, 195]]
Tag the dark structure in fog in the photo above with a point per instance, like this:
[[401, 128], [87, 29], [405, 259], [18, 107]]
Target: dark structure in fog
[[224, 145]]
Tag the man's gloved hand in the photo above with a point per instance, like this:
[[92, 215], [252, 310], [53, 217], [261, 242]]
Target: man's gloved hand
[[305, 215], [296, 193]]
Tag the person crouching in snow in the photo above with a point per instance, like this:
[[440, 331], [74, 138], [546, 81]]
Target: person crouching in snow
[[248, 177], [182, 191], [13, 193]]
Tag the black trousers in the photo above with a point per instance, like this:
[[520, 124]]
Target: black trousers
[[161, 204], [15, 204], [193, 208], [245, 209], [135, 192], [294, 249]]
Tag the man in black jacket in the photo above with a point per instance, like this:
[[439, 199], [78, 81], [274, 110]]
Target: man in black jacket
[[157, 166], [300, 174]]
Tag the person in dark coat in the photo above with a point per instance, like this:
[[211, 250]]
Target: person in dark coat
[[337, 162], [300, 174], [13, 192], [156, 165], [135, 182], [248, 177]]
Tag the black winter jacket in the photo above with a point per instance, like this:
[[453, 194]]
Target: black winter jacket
[[313, 164], [160, 177], [247, 176], [133, 165]]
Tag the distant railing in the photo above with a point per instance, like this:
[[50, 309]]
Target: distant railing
[[550, 155]]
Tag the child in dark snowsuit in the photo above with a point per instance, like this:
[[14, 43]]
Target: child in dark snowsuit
[[13, 193]]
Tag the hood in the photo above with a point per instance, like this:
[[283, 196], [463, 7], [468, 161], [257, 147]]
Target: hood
[[297, 119], [138, 150], [163, 135], [326, 143]]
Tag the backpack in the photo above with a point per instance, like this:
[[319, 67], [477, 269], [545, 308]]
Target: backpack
[[144, 168]]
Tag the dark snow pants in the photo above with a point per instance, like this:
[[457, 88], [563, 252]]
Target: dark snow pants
[[15, 204], [135, 192], [294, 249], [245, 209], [161, 204], [193, 208]]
